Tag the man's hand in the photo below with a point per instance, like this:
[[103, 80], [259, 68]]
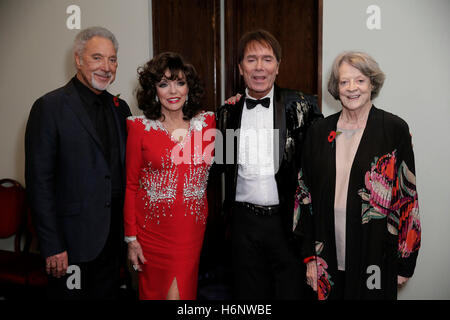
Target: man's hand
[[57, 264], [135, 255], [311, 274]]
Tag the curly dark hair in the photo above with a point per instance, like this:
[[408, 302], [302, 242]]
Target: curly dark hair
[[151, 74]]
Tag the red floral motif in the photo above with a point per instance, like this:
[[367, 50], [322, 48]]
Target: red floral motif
[[116, 100], [332, 136], [379, 182], [390, 193], [324, 282]]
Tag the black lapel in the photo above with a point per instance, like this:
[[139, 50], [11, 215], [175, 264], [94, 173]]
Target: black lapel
[[73, 101], [329, 188], [120, 125], [370, 140], [279, 124], [235, 124], [236, 113], [362, 159]]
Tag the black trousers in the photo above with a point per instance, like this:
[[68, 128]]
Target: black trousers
[[99, 278], [339, 286], [264, 263]]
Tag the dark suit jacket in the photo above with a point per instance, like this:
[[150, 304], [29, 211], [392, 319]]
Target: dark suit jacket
[[67, 176], [293, 114]]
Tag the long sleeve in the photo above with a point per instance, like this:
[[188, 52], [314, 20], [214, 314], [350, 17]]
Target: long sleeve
[[134, 163], [41, 147], [303, 112], [303, 220], [407, 208]]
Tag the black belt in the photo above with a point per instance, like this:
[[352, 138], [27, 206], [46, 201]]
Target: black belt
[[259, 210]]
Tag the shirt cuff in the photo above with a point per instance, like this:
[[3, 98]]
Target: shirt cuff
[[129, 239]]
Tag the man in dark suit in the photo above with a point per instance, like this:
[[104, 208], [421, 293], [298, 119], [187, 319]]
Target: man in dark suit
[[268, 125], [75, 152]]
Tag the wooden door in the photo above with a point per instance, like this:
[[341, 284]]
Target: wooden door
[[191, 28], [295, 24]]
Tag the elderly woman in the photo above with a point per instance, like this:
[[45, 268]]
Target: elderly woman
[[169, 154], [356, 202]]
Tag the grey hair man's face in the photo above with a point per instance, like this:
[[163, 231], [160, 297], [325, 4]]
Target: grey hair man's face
[[97, 64]]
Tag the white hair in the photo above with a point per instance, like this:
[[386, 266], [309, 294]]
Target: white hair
[[85, 35]]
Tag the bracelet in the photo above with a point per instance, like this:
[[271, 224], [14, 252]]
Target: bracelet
[[130, 239], [306, 260]]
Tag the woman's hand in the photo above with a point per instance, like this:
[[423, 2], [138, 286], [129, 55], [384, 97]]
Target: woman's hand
[[135, 255], [233, 100], [401, 281], [311, 274]]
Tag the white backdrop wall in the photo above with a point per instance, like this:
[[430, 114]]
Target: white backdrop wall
[[412, 46]]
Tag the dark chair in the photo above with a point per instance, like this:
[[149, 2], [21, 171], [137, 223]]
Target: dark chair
[[22, 273], [20, 269]]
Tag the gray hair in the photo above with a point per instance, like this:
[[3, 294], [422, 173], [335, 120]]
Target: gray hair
[[364, 63], [85, 35]]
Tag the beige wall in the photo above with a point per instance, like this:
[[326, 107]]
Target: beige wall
[[413, 49], [36, 57]]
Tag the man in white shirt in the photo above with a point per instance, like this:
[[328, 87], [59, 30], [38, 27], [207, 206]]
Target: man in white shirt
[[269, 124]]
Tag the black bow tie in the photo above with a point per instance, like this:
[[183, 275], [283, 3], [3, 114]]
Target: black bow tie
[[251, 103]]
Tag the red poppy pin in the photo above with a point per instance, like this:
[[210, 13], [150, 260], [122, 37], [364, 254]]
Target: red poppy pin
[[116, 100], [332, 136]]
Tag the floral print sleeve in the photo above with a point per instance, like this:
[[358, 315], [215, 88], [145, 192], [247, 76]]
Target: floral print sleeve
[[302, 220], [408, 212], [303, 214], [302, 198], [407, 207], [390, 192]]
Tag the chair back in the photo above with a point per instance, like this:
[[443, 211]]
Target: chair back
[[12, 207]]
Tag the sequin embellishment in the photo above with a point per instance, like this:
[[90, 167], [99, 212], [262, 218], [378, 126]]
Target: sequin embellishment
[[172, 182], [160, 189]]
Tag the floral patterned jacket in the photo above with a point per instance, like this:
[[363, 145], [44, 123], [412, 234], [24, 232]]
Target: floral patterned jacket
[[383, 229]]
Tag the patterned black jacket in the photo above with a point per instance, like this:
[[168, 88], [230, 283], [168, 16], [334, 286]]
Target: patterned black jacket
[[294, 112]]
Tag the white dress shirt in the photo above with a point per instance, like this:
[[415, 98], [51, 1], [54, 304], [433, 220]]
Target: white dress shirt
[[256, 169]]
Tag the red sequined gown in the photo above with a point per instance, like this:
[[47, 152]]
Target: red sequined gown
[[165, 203]]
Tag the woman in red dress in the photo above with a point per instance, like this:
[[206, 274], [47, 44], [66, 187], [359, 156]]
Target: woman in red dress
[[169, 154]]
